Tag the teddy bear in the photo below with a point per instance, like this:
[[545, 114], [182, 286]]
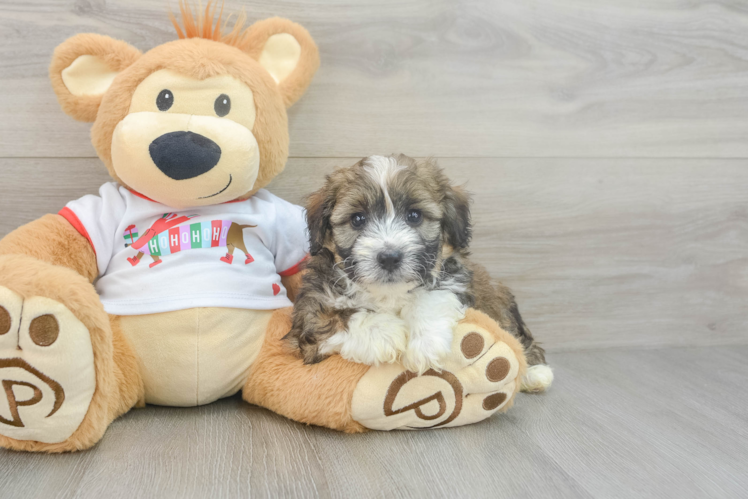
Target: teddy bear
[[174, 284]]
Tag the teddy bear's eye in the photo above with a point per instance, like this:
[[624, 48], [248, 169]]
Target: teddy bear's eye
[[222, 105], [164, 100]]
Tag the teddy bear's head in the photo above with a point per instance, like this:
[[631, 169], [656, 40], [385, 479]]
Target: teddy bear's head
[[196, 121]]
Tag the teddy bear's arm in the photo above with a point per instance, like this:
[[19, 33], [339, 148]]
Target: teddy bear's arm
[[54, 240]]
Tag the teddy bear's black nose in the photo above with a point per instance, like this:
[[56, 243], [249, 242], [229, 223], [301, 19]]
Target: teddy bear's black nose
[[184, 155]]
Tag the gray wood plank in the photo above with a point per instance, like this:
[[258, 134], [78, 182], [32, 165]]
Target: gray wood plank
[[592, 78], [600, 253], [647, 423], [618, 423]]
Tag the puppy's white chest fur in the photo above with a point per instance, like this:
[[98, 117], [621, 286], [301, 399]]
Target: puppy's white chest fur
[[389, 299], [400, 323]]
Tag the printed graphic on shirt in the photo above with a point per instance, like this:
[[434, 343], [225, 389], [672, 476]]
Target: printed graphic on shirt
[[169, 235]]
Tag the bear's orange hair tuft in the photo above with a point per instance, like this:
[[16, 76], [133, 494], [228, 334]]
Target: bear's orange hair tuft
[[200, 24]]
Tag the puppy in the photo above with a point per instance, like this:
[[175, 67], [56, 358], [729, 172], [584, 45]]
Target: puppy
[[389, 275]]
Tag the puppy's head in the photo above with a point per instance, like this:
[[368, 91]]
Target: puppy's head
[[389, 220]]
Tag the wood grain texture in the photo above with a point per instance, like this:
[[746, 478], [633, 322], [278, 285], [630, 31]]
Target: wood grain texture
[[619, 423], [579, 78], [600, 253]]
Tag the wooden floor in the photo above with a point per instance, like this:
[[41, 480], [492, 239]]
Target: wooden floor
[[606, 145], [621, 423]]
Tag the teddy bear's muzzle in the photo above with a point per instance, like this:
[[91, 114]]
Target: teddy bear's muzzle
[[184, 155]]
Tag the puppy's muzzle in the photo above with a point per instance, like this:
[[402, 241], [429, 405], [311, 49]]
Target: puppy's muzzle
[[184, 155], [390, 260]]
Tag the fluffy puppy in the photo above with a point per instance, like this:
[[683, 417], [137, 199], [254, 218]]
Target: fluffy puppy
[[389, 275]]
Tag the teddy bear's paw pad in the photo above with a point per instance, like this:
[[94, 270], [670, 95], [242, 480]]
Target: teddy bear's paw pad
[[47, 377], [478, 379]]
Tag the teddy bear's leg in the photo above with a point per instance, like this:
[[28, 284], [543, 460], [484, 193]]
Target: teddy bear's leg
[[481, 377], [66, 370], [318, 394]]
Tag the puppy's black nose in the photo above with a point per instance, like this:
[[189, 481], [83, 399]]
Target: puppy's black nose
[[184, 155], [390, 260]]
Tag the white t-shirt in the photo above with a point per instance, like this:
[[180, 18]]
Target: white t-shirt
[[152, 259]]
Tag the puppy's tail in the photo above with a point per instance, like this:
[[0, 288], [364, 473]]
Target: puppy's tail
[[539, 375], [537, 378]]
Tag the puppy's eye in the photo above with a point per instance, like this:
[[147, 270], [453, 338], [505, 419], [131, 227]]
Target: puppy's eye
[[222, 105], [165, 100], [358, 220], [414, 217]]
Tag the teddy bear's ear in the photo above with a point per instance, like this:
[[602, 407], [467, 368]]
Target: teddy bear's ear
[[83, 67], [287, 51]]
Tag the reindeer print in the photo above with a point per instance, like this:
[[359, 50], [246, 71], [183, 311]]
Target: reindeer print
[[170, 234]]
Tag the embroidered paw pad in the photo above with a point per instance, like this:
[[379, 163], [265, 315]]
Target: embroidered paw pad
[[479, 378], [47, 377]]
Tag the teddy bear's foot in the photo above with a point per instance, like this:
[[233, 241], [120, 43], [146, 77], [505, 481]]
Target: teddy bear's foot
[[480, 377], [47, 376], [66, 370]]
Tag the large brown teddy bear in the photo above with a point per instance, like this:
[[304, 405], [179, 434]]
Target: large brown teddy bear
[[173, 285]]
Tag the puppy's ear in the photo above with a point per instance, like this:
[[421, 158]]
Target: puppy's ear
[[456, 224], [318, 212]]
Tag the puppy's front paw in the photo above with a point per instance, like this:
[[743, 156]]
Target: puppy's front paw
[[424, 353], [371, 339], [432, 316]]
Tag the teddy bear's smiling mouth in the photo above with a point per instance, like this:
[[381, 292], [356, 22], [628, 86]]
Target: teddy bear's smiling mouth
[[219, 192]]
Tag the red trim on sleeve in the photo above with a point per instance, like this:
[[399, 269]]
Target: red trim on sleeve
[[294, 269], [73, 219]]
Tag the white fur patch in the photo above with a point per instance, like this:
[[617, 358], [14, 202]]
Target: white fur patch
[[414, 326], [538, 378], [387, 298], [381, 169], [432, 318], [371, 339]]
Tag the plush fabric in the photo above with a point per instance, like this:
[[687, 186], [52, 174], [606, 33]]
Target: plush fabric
[[118, 384], [47, 400], [198, 58], [195, 356], [479, 379], [53, 240], [114, 54], [318, 394]]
